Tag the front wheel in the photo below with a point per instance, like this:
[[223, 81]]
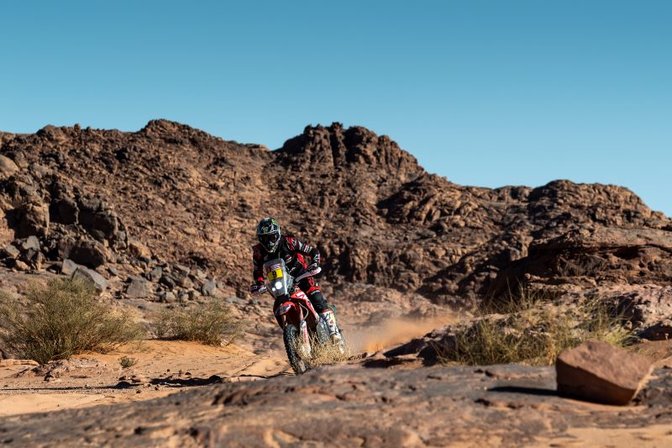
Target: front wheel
[[292, 339]]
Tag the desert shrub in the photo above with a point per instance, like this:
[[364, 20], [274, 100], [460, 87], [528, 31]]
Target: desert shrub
[[211, 324], [127, 362], [534, 333], [517, 299], [61, 319]]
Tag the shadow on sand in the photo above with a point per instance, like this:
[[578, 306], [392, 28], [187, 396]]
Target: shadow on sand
[[525, 390]]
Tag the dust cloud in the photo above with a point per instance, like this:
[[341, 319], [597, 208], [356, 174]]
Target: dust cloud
[[393, 332]]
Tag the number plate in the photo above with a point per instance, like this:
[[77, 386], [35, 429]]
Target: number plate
[[275, 274]]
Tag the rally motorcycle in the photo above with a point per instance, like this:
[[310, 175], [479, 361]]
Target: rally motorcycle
[[301, 325]]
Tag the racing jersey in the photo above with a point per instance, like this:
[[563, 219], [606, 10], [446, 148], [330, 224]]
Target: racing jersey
[[297, 255]]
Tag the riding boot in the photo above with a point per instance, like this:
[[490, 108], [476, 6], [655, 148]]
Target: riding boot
[[330, 319]]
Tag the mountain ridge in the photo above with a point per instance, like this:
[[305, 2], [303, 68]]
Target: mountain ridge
[[377, 215]]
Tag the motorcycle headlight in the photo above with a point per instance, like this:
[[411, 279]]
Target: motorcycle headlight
[[277, 285]]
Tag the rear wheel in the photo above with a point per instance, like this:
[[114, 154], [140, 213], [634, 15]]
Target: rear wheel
[[292, 341]]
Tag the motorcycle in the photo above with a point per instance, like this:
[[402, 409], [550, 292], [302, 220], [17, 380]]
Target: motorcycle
[[301, 325]]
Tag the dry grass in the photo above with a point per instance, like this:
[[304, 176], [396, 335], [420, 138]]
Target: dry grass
[[211, 324], [534, 331], [327, 354], [62, 319], [127, 362]]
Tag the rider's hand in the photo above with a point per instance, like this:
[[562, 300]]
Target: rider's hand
[[313, 267], [256, 287]]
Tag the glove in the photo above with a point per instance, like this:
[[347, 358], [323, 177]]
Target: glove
[[257, 287], [313, 267]]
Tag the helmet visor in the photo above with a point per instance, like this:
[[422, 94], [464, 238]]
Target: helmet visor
[[269, 240]]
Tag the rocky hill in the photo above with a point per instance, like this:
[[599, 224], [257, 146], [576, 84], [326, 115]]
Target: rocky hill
[[168, 214], [174, 207]]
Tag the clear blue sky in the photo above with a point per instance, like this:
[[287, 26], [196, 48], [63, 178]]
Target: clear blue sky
[[485, 93]]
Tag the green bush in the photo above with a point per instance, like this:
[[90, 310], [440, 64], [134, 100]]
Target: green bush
[[211, 324], [62, 319]]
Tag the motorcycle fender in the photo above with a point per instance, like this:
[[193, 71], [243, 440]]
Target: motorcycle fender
[[299, 294], [287, 312], [284, 309], [307, 304]]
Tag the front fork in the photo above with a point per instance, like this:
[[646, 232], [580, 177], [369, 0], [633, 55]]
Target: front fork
[[304, 346], [306, 350]]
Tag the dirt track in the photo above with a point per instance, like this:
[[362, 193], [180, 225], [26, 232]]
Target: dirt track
[[361, 404], [165, 367]]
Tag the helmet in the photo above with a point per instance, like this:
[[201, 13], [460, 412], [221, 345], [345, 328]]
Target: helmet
[[268, 232]]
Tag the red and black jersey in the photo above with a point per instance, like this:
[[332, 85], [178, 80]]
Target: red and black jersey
[[297, 255]]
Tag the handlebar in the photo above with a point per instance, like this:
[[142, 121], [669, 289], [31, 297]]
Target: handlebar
[[262, 288], [315, 271]]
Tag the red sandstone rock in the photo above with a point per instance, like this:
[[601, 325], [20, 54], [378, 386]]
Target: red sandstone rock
[[597, 371]]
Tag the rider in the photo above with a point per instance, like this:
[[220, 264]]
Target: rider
[[299, 258]]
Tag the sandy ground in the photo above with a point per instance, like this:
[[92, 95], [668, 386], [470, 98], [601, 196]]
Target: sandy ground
[[657, 436], [161, 368], [165, 367]]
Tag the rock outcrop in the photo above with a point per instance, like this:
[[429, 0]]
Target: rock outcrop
[[648, 308], [171, 195], [348, 406]]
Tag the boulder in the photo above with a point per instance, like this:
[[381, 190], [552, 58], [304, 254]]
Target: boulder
[[167, 280], [598, 372], [7, 167], [30, 218], [31, 243], [209, 287], [155, 274], [10, 251], [138, 288], [193, 294], [64, 210], [68, 267], [88, 253], [92, 277], [168, 297], [181, 270], [21, 265], [139, 250], [96, 217]]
